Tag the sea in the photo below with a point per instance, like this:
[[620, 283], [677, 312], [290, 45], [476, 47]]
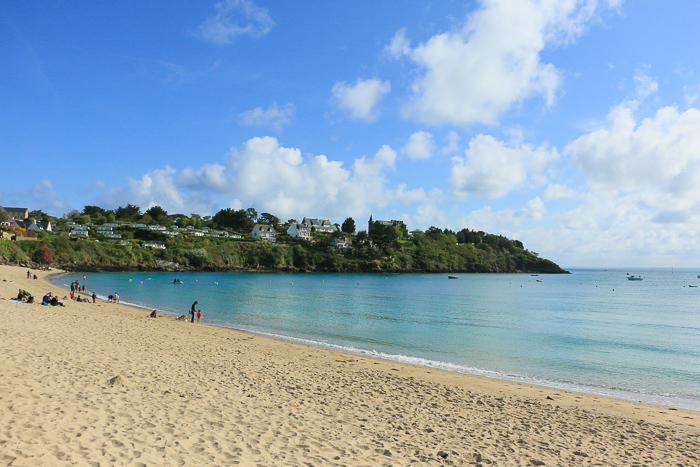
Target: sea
[[592, 331]]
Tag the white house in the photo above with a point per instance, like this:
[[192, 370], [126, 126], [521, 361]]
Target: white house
[[320, 225], [158, 246], [299, 231], [79, 233], [264, 232]]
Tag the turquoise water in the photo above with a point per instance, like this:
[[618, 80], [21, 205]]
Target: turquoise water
[[592, 331]]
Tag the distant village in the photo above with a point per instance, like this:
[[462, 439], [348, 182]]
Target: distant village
[[18, 225]]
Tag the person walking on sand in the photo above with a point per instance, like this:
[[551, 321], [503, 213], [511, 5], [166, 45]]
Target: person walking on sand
[[29, 274], [199, 315], [193, 310], [94, 297]]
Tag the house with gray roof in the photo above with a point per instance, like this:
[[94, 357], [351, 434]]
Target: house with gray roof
[[16, 213], [319, 225], [299, 231], [264, 232]]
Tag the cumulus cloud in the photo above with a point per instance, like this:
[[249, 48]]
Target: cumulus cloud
[[399, 45], [452, 143], [360, 99], [208, 177], [661, 152], [420, 146], [235, 18], [558, 191], [274, 117], [491, 169], [488, 220], [478, 72], [278, 179]]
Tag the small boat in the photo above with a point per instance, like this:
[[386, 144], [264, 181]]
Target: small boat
[[539, 280], [635, 278], [534, 275], [177, 281], [692, 286], [453, 277]]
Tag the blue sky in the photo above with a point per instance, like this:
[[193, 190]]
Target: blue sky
[[571, 125]]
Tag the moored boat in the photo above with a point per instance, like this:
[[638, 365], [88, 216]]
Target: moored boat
[[453, 277], [635, 278]]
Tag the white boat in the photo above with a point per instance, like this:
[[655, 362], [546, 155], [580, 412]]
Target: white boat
[[540, 280], [635, 278]]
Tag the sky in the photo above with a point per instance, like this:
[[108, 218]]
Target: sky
[[570, 125]]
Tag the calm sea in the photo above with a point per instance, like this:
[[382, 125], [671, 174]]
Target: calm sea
[[592, 331]]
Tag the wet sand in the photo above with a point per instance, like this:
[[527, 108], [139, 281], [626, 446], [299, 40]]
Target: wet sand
[[103, 384]]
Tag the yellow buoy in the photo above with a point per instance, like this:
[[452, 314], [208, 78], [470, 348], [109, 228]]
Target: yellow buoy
[[216, 283], [142, 282], [291, 283], [129, 280]]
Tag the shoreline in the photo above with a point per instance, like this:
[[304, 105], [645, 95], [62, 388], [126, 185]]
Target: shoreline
[[657, 399], [100, 382]]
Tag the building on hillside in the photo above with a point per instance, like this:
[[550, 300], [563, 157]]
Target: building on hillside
[[299, 231], [340, 243], [391, 223], [16, 213], [158, 246], [319, 225], [34, 226], [264, 232], [79, 233]]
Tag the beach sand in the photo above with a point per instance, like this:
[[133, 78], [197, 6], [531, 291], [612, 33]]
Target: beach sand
[[102, 384]]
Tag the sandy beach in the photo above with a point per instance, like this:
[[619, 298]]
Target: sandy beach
[[102, 384]]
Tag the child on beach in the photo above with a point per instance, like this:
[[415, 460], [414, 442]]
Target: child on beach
[[199, 315]]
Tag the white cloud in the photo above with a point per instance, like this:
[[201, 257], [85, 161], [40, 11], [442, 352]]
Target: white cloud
[[452, 143], [660, 153], [274, 117], [488, 220], [209, 177], [646, 86], [558, 191], [490, 169], [279, 180], [235, 18], [361, 98], [420, 146], [399, 45], [478, 72]]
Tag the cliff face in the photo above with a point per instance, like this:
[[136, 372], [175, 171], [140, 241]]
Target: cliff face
[[424, 256]]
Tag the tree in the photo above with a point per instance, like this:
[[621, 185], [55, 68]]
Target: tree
[[128, 213], [348, 226], [4, 216], [38, 215], [267, 218], [94, 211], [157, 213], [383, 235], [237, 220], [72, 214]]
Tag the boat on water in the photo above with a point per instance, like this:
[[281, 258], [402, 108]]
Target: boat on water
[[177, 281], [453, 277], [540, 280], [534, 275], [635, 278]]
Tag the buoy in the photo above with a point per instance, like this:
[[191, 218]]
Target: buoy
[[142, 282], [291, 283], [129, 280], [216, 283], [196, 280], [358, 283]]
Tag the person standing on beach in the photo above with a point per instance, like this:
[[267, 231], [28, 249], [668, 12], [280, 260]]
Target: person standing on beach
[[94, 297], [199, 315], [29, 274], [193, 310]]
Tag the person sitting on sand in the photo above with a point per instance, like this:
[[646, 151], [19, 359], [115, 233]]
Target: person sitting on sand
[[154, 314], [30, 299], [54, 301], [46, 299]]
